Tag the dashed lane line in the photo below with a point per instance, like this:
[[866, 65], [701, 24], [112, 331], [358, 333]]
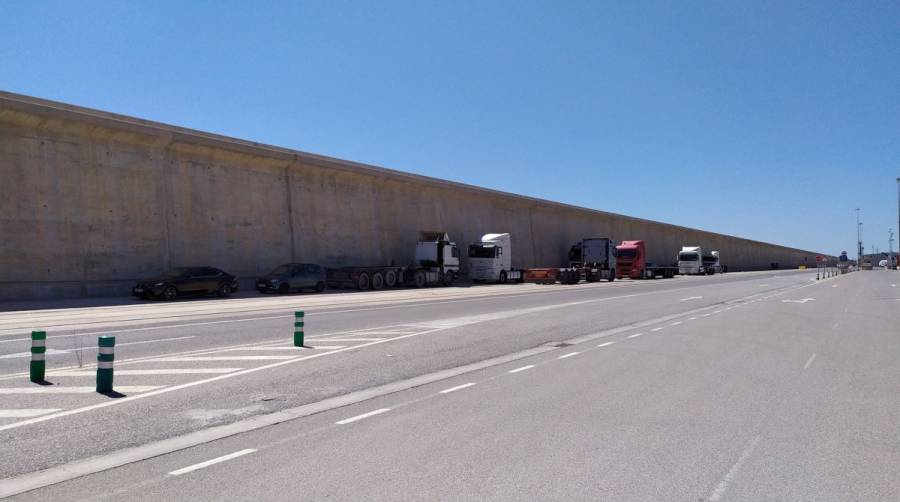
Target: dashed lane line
[[217, 460], [570, 354], [523, 368], [363, 416], [657, 329], [458, 387], [633, 336], [809, 361], [605, 344]]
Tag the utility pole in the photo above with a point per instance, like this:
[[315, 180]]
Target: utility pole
[[897, 263], [859, 238]]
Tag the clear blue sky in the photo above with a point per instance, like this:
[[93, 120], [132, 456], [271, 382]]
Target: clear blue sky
[[769, 120]]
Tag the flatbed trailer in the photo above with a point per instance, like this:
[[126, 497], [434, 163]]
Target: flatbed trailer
[[590, 260], [631, 263]]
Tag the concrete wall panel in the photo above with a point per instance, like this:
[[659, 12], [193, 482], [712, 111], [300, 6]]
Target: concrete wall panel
[[90, 201]]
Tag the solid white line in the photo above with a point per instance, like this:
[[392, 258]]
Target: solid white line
[[289, 347], [364, 415], [605, 344], [570, 354], [656, 329], [458, 387], [91, 347], [809, 361], [26, 412], [723, 484], [53, 389], [348, 339], [165, 371], [219, 358], [523, 368], [633, 336], [208, 463]]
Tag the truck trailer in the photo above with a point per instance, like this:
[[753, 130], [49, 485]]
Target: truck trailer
[[592, 259], [631, 262], [436, 263], [490, 259]]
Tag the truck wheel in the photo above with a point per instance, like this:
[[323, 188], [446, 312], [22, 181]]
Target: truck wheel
[[502, 277], [419, 279], [363, 281], [612, 275], [390, 278], [449, 277], [377, 280]]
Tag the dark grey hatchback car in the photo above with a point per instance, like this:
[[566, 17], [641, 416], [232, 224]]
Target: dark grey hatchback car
[[292, 277]]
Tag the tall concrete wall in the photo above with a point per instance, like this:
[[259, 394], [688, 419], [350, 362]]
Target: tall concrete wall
[[90, 201]]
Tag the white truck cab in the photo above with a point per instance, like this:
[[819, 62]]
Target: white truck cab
[[690, 260], [490, 259]]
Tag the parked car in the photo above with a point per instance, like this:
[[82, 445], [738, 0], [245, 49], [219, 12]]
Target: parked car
[[186, 281], [292, 277]]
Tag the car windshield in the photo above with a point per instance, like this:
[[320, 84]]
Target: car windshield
[[479, 251], [280, 270], [177, 272]]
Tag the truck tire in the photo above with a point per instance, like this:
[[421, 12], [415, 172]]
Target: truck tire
[[363, 281], [612, 275], [419, 279], [377, 281], [502, 279], [390, 278]]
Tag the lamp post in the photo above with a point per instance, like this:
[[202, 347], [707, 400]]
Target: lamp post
[[858, 241]]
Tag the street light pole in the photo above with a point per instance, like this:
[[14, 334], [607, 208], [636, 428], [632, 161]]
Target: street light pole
[[897, 263], [858, 241]]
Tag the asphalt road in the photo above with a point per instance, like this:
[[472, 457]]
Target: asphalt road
[[758, 386]]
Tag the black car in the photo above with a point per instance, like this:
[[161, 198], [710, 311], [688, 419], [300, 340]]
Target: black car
[[292, 277], [183, 281]]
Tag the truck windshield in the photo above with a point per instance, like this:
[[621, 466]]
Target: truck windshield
[[627, 253], [709, 260], [480, 251], [688, 257]]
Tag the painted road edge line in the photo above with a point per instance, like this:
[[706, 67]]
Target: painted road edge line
[[458, 387], [217, 460], [363, 416]]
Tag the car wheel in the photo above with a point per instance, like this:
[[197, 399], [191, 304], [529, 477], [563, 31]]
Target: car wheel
[[363, 281], [320, 286], [170, 293], [224, 290], [284, 289]]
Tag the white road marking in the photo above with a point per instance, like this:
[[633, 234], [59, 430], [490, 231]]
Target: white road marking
[[809, 361], [705, 315], [570, 354], [364, 415], [834, 285], [798, 301], [220, 358], [691, 298], [165, 371], [55, 389], [692, 319], [26, 412], [208, 463], [348, 339], [523, 368], [656, 329], [729, 476], [94, 347], [605, 344], [676, 323], [633, 336], [716, 312], [290, 347], [458, 387]]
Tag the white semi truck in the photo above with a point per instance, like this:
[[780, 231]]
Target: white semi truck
[[693, 261], [490, 259]]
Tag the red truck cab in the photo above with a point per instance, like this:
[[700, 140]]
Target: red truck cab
[[630, 260]]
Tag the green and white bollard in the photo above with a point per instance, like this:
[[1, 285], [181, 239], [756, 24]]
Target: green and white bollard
[[38, 352], [105, 356], [298, 328]]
